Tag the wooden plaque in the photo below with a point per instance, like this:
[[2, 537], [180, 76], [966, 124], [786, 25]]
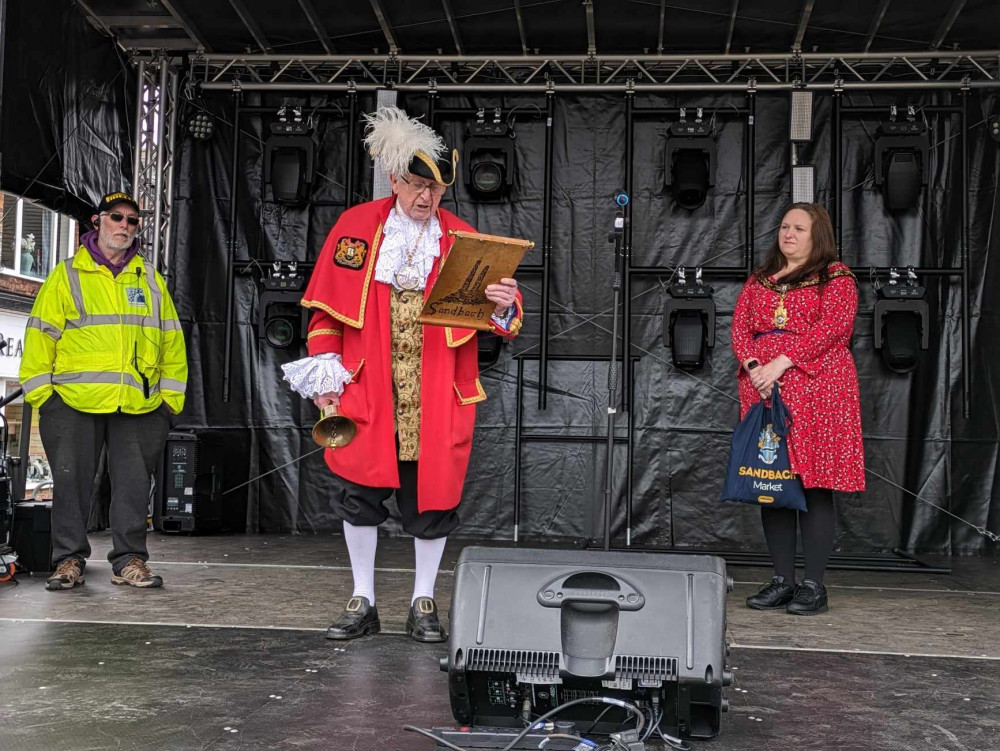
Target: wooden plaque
[[458, 298]]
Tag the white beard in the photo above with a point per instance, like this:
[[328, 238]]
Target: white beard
[[111, 242]]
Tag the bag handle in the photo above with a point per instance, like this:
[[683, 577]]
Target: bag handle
[[781, 418]]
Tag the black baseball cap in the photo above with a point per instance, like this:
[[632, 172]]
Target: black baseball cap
[[111, 199]]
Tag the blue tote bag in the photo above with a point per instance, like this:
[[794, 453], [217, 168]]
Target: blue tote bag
[[759, 471]]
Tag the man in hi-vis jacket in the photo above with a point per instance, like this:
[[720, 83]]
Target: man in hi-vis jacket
[[104, 363]]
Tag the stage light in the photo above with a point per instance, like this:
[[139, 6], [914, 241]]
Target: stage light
[[201, 126], [803, 183], [993, 127], [288, 157], [281, 321], [488, 158], [689, 321], [901, 322], [689, 161], [800, 120], [901, 155], [489, 348]]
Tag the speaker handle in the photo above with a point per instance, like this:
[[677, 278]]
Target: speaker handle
[[598, 587]]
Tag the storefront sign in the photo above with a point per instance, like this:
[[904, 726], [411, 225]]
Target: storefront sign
[[12, 333]]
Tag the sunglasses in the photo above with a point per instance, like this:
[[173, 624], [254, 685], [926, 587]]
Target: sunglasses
[[133, 221]]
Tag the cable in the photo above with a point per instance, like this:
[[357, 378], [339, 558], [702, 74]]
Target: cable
[[429, 734], [640, 720]]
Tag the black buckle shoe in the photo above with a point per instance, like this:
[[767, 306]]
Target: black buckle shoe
[[360, 618], [422, 623], [810, 599], [775, 594]]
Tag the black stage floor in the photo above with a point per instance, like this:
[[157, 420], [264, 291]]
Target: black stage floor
[[230, 655]]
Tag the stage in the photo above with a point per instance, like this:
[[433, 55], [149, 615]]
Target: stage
[[230, 654]]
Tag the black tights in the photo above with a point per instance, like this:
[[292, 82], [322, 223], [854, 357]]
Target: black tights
[[818, 525]]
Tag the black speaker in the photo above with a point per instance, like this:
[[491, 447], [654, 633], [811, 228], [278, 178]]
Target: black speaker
[[31, 536], [534, 629], [189, 487]]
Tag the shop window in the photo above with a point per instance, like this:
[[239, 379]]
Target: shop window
[[32, 238]]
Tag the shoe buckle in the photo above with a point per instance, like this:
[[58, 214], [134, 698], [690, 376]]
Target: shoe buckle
[[425, 605], [353, 605]]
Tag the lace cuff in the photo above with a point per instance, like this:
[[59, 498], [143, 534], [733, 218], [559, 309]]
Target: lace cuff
[[320, 374]]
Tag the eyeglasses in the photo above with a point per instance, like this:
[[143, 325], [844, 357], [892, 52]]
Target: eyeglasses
[[133, 221], [419, 187]]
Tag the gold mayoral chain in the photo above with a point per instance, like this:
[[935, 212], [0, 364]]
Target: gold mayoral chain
[[780, 317], [407, 276]]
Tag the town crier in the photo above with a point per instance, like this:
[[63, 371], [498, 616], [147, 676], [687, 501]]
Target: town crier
[[412, 389]]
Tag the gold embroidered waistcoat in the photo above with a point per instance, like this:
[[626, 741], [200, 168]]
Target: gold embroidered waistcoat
[[407, 348]]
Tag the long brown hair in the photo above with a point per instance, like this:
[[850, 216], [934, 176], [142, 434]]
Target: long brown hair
[[824, 249]]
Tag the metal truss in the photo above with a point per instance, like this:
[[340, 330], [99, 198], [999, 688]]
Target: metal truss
[[928, 69], [153, 160]]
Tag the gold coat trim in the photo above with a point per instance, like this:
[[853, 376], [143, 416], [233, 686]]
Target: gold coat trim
[[325, 332], [479, 397]]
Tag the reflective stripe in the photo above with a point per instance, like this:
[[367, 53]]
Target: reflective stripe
[[89, 376], [154, 290], [35, 382], [74, 288], [109, 320], [45, 327], [170, 325], [173, 384]]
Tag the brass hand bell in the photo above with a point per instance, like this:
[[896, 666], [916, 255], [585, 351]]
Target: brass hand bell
[[334, 430]]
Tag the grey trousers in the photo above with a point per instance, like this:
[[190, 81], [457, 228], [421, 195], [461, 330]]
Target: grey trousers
[[73, 442]]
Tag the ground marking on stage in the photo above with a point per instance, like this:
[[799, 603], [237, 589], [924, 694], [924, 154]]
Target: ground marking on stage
[[759, 647]]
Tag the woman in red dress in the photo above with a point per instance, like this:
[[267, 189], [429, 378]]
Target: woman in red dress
[[792, 326]]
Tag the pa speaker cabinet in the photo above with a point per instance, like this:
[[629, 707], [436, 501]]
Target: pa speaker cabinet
[[533, 629], [189, 487]]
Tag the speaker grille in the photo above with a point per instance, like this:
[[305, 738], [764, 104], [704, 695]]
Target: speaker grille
[[655, 669], [533, 664]]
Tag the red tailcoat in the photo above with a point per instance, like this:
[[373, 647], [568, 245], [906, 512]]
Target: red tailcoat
[[825, 445], [351, 318]]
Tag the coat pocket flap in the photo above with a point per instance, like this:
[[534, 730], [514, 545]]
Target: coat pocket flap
[[469, 392]]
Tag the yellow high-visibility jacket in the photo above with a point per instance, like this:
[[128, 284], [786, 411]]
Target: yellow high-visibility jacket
[[104, 343]]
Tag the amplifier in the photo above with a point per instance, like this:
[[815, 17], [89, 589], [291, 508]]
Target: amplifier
[[534, 629]]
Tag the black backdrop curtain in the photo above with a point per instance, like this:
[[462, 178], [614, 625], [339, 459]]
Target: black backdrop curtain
[[67, 106], [915, 434]]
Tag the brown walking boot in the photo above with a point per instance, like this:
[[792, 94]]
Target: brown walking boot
[[137, 574], [67, 575]]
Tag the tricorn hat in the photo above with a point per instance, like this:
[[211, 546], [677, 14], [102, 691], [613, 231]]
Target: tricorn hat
[[403, 144]]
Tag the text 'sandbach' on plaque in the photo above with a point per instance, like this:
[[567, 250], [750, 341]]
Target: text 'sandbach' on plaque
[[459, 295]]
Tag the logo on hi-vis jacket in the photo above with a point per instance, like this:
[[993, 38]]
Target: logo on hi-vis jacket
[[350, 253], [136, 296], [768, 445]]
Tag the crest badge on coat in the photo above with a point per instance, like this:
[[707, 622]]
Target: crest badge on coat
[[768, 445], [351, 253]]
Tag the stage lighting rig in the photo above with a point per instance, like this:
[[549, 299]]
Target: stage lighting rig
[[281, 321], [289, 156], [901, 160], [901, 321], [488, 157], [689, 321], [993, 127], [689, 161], [201, 126]]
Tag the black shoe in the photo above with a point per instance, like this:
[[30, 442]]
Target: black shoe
[[773, 595], [422, 623], [810, 599], [359, 619]]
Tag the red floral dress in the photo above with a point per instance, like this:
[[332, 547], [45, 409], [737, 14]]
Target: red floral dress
[[821, 390]]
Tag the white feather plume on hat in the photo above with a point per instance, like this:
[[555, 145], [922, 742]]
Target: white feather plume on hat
[[394, 138]]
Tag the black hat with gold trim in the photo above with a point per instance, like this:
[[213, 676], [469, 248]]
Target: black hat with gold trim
[[403, 144]]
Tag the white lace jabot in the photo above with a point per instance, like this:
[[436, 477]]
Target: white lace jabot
[[398, 235]]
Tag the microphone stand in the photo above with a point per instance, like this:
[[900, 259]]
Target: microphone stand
[[614, 236]]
